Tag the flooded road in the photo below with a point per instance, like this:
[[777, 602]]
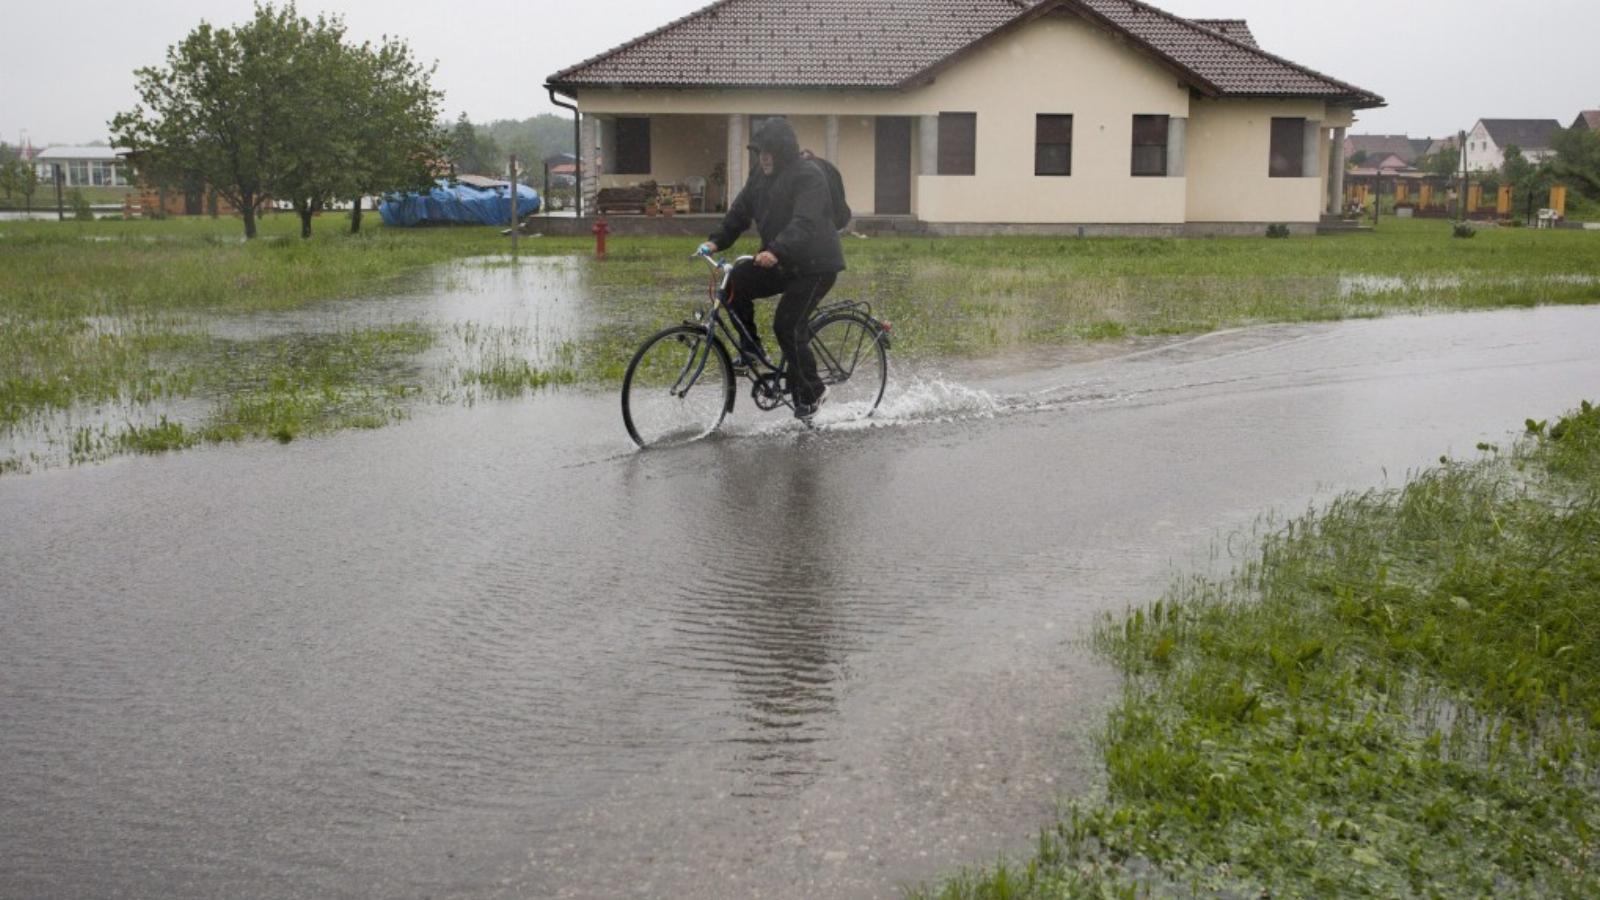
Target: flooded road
[[494, 652]]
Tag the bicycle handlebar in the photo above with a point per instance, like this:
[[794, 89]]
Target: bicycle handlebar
[[713, 262]]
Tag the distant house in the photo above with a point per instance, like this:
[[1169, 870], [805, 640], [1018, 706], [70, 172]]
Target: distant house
[[1442, 145], [980, 116], [83, 166], [1488, 140], [1588, 120], [1380, 146]]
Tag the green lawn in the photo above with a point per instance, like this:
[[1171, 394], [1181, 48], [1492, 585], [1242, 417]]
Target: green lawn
[[44, 199], [113, 312], [1398, 697]]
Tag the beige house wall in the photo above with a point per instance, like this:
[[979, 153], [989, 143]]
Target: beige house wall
[[1230, 143], [1059, 64]]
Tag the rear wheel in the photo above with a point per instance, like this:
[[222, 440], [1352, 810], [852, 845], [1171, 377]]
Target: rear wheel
[[677, 387], [851, 361]]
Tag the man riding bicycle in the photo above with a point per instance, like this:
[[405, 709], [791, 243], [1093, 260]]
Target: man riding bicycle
[[788, 200]]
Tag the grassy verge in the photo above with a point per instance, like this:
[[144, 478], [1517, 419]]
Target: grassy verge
[[115, 312], [1399, 697], [44, 199]]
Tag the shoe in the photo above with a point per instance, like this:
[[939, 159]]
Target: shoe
[[746, 359], [807, 410]]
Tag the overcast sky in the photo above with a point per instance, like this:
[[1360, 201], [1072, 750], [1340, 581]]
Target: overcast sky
[[1442, 64]]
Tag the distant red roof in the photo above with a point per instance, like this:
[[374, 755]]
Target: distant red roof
[[880, 44]]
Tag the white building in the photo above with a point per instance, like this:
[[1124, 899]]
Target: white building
[[83, 166], [1488, 140]]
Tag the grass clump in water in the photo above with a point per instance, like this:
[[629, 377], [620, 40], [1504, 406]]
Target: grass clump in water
[[506, 377], [1399, 697]]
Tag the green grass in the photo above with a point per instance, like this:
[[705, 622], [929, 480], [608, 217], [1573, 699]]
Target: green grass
[[1400, 696], [115, 313], [44, 199]]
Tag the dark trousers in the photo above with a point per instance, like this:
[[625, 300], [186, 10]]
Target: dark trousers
[[791, 323]]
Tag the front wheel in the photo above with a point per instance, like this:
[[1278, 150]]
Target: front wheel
[[677, 388], [851, 361]]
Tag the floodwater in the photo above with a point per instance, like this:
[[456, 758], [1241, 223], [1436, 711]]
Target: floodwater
[[495, 652]]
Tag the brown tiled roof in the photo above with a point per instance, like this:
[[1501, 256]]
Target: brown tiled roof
[[1238, 29], [1226, 65], [1376, 145], [1524, 134], [896, 43], [813, 43], [1589, 118]]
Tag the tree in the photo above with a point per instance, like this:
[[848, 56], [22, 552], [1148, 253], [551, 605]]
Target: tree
[[1358, 158], [279, 107], [318, 144], [472, 153], [215, 111], [399, 146], [1446, 163], [1526, 179], [1578, 160]]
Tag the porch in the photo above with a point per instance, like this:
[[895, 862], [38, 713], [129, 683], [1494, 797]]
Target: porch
[[705, 157]]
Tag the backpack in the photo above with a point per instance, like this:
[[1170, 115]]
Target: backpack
[[830, 174]]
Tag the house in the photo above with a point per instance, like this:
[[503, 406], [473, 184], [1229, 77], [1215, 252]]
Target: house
[[978, 116], [82, 166], [1588, 120], [1488, 140], [1442, 145], [1376, 147]]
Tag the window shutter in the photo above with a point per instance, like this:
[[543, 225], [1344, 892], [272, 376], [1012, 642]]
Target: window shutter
[[958, 143]]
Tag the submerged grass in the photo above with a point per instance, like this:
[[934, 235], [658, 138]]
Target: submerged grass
[[116, 313], [1399, 697]]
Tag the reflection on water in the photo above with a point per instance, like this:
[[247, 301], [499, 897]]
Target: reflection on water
[[763, 614]]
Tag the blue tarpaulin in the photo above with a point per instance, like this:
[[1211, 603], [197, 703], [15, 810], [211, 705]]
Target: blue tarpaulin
[[458, 203]]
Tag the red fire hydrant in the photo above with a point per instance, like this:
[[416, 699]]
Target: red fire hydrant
[[601, 229]]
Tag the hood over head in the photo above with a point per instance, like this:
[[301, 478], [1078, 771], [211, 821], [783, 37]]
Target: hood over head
[[776, 136]]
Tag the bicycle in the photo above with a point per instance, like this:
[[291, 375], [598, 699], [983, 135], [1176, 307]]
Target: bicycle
[[681, 383]]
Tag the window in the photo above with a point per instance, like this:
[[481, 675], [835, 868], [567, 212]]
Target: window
[[1052, 145], [1150, 146], [1288, 148], [633, 147], [78, 173], [958, 143]]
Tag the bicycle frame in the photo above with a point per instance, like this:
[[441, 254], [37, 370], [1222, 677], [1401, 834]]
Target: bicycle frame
[[737, 336]]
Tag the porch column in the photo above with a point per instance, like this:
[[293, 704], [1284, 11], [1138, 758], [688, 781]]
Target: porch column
[[738, 153], [589, 132], [1177, 146], [1336, 174], [831, 149], [1311, 149], [928, 142]]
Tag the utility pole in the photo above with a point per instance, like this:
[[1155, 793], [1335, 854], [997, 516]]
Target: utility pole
[[1461, 198], [515, 224], [1377, 193], [61, 208]]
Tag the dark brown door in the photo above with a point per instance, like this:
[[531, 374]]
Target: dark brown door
[[893, 194]]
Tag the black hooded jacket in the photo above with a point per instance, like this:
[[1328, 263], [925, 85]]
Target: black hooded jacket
[[791, 208]]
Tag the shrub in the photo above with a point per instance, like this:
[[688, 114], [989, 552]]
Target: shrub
[[1463, 230], [80, 206], [1277, 231]]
